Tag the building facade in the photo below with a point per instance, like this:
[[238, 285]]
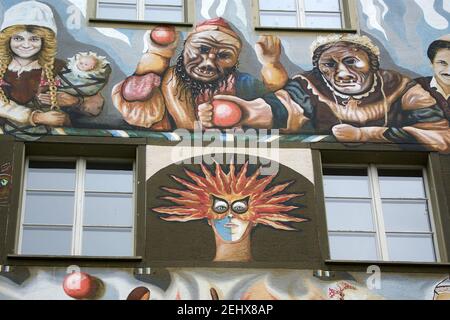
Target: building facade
[[225, 149]]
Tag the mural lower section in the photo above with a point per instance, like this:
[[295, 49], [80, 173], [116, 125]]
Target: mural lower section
[[218, 284]]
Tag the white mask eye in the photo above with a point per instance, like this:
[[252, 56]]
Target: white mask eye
[[240, 207], [220, 206]]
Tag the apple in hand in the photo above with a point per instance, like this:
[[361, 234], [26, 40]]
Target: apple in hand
[[163, 35], [226, 114]]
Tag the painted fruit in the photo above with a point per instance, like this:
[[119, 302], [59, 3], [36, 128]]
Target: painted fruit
[[226, 113], [163, 35], [79, 285]]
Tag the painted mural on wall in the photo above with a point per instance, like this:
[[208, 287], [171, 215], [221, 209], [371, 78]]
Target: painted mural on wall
[[233, 203], [5, 182], [442, 290], [208, 213], [214, 284], [197, 82], [39, 92], [164, 98]]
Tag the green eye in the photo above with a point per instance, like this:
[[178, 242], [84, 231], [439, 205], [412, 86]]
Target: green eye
[[220, 206], [4, 182]]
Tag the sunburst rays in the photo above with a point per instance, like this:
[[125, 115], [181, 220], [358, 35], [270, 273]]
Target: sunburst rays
[[266, 205]]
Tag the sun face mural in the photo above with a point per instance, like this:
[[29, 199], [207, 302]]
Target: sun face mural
[[233, 204]]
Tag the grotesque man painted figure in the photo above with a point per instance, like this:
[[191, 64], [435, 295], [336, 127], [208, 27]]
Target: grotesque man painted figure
[[233, 204], [163, 98], [349, 96]]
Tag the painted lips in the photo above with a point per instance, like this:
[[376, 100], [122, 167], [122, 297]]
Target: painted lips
[[231, 225]]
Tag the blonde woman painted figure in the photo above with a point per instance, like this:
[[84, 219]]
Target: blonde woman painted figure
[[30, 75]]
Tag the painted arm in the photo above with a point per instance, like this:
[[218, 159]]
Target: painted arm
[[91, 105], [15, 112], [268, 51], [139, 113], [88, 105], [138, 98], [288, 110], [26, 116], [428, 125], [423, 123]]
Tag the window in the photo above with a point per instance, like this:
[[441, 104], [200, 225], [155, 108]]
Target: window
[[143, 10], [379, 213], [78, 207], [320, 14]]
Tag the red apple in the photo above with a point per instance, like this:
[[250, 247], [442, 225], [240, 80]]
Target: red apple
[[163, 35], [226, 114], [79, 285]]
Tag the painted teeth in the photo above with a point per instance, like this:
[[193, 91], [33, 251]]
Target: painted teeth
[[209, 73]]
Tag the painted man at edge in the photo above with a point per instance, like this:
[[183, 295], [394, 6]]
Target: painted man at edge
[[439, 84]]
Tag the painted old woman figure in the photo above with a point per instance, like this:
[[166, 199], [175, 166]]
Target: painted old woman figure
[[32, 101]]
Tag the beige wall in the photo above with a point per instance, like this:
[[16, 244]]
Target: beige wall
[[159, 157]]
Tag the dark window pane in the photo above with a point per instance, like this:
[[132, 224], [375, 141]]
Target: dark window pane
[[399, 173], [344, 172]]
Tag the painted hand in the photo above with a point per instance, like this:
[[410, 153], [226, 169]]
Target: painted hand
[[165, 36], [205, 115], [268, 49], [140, 88], [255, 114], [347, 133], [64, 99], [51, 118]]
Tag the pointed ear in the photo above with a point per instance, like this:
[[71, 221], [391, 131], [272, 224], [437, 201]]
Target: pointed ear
[[246, 200], [215, 199]]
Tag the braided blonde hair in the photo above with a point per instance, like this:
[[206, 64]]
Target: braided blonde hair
[[46, 56]]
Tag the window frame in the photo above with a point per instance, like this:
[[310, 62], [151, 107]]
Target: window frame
[[79, 195], [349, 19], [53, 147], [140, 22], [377, 212], [335, 155]]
